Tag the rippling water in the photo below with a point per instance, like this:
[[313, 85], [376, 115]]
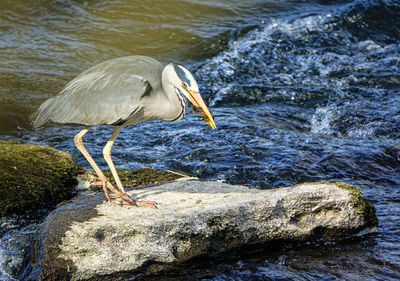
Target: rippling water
[[300, 90]]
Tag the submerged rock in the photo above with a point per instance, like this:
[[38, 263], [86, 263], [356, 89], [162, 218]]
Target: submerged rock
[[91, 239], [32, 176]]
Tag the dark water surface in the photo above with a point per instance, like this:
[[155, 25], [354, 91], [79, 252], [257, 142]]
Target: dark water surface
[[300, 90]]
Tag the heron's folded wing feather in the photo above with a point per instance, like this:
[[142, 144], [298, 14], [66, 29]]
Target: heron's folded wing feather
[[105, 94]]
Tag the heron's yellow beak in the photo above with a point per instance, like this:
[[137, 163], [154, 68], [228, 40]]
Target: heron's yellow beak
[[198, 101]]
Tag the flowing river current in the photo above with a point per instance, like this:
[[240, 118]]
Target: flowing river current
[[301, 91]]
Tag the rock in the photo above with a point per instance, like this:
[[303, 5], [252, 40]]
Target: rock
[[91, 239], [32, 176]]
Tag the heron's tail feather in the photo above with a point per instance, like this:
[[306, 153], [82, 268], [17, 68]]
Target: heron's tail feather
[[42, 114]]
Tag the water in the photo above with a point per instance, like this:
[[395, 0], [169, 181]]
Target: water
[[300, 91]]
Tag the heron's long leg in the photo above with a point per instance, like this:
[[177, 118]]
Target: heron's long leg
[[107, 157], [78, 139]]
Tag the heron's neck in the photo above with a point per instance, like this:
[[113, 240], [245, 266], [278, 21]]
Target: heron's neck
[[176, 104], [168, 88]]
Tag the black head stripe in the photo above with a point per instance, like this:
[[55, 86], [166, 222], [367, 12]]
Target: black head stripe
[[181, 74]]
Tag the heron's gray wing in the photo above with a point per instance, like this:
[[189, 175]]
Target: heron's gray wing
[[107, 93]]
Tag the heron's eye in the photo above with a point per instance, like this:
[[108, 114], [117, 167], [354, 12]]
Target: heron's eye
[[184, 85]]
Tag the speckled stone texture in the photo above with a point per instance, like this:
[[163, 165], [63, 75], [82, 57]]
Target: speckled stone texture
[[193, 218]]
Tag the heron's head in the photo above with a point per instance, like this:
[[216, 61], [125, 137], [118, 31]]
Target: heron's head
[[181, 78]]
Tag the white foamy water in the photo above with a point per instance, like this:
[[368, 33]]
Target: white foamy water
[[321, 120]]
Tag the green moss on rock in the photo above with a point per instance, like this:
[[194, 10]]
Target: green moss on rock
[[142, 177], [364, 207], [31, 176]]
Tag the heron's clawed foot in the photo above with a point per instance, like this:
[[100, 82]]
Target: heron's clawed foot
[[150, 204], [105, 183], [133, 202], [124, 198], [122, 202]]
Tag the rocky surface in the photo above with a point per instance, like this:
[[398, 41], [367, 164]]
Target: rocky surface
[[91, 239], [31, 176]]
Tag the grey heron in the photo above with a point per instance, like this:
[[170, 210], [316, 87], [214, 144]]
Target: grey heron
[[122, 92]]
